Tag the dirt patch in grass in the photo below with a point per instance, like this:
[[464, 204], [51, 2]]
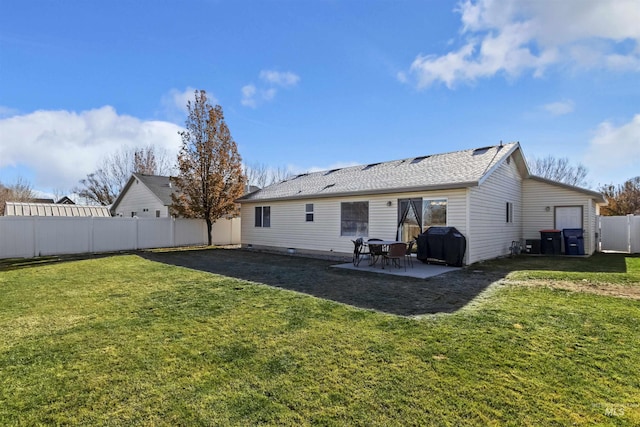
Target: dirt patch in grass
[[446, 293], [621, 291]]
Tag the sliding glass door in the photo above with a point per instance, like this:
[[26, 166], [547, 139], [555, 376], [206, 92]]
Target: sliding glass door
[[409, 219], [417, 214]]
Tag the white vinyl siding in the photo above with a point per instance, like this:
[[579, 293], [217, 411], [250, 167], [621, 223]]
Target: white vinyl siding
[[137, 199], [289, 228], [540, 195], [491, 236]]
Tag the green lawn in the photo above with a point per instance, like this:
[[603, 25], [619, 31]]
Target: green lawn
[[597, 269], [122, 340]]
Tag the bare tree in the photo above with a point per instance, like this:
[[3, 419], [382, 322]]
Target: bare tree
[[104, 185], [261, 175], [560, 170], [99, 187], [623, 199], [59, 193], [19, 191], [256, 174], [279, 174], [210, 174], [5, 196]]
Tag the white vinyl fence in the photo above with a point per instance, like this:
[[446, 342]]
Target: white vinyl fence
[[619, 233], [26, 237]]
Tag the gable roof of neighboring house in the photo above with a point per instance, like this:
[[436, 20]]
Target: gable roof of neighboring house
[[66, 201], [459, 169], [159, 186], [54, 209]]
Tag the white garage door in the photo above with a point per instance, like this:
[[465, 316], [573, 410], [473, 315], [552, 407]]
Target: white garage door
[[568, 217]]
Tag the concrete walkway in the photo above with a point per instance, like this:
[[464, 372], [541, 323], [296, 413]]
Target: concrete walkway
[[419, 270]]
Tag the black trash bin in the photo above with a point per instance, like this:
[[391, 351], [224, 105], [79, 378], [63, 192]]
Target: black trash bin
[[573, 241], [443, 244], [532, 246], [550, 242]]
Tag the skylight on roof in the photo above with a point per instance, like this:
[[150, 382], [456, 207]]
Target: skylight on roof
[[482, 150], [370, 166], [419, 159]]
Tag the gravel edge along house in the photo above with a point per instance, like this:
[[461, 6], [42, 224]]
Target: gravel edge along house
[[487, 193]]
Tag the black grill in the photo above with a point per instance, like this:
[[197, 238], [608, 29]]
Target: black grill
[[442, 244]]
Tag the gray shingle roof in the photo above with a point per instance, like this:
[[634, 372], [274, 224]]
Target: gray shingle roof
[[450, 170], [159, 185]]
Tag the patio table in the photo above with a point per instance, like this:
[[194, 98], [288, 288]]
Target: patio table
[[386, 243]]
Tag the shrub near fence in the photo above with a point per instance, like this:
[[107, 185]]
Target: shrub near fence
[[25, 237]]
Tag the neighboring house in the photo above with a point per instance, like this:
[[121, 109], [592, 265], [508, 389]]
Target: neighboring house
[[148, 196], [486, 193], [65, 201], [54, 209], [144, 196]]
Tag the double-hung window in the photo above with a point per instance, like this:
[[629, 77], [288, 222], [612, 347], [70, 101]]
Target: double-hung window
[[308, 209], [509, 212], [354, 219], [263, 216]]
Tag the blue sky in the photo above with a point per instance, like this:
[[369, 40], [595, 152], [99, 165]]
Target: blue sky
[[309, 85]]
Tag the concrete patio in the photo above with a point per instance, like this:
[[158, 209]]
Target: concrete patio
[[419, 270]]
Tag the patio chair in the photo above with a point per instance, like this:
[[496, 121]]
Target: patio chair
[[375, 251], [397, 252], [408, 253], [359, 250]]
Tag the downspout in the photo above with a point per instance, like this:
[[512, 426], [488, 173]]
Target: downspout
[[468, 226]]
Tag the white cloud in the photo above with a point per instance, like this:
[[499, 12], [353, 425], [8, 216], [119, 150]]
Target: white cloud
[[559, 108], [284, 79], [249, 96], [61, 147], [514, 36], [252, 96], [614, 151]]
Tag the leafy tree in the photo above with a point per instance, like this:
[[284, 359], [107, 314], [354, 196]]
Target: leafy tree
[[560, 170], [210, 174], [623, 199], [104, 185]]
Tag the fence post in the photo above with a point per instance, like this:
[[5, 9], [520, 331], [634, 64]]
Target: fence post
[[36, 246], [629, 220], [135, 246], [90, 233], [172, 224]]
